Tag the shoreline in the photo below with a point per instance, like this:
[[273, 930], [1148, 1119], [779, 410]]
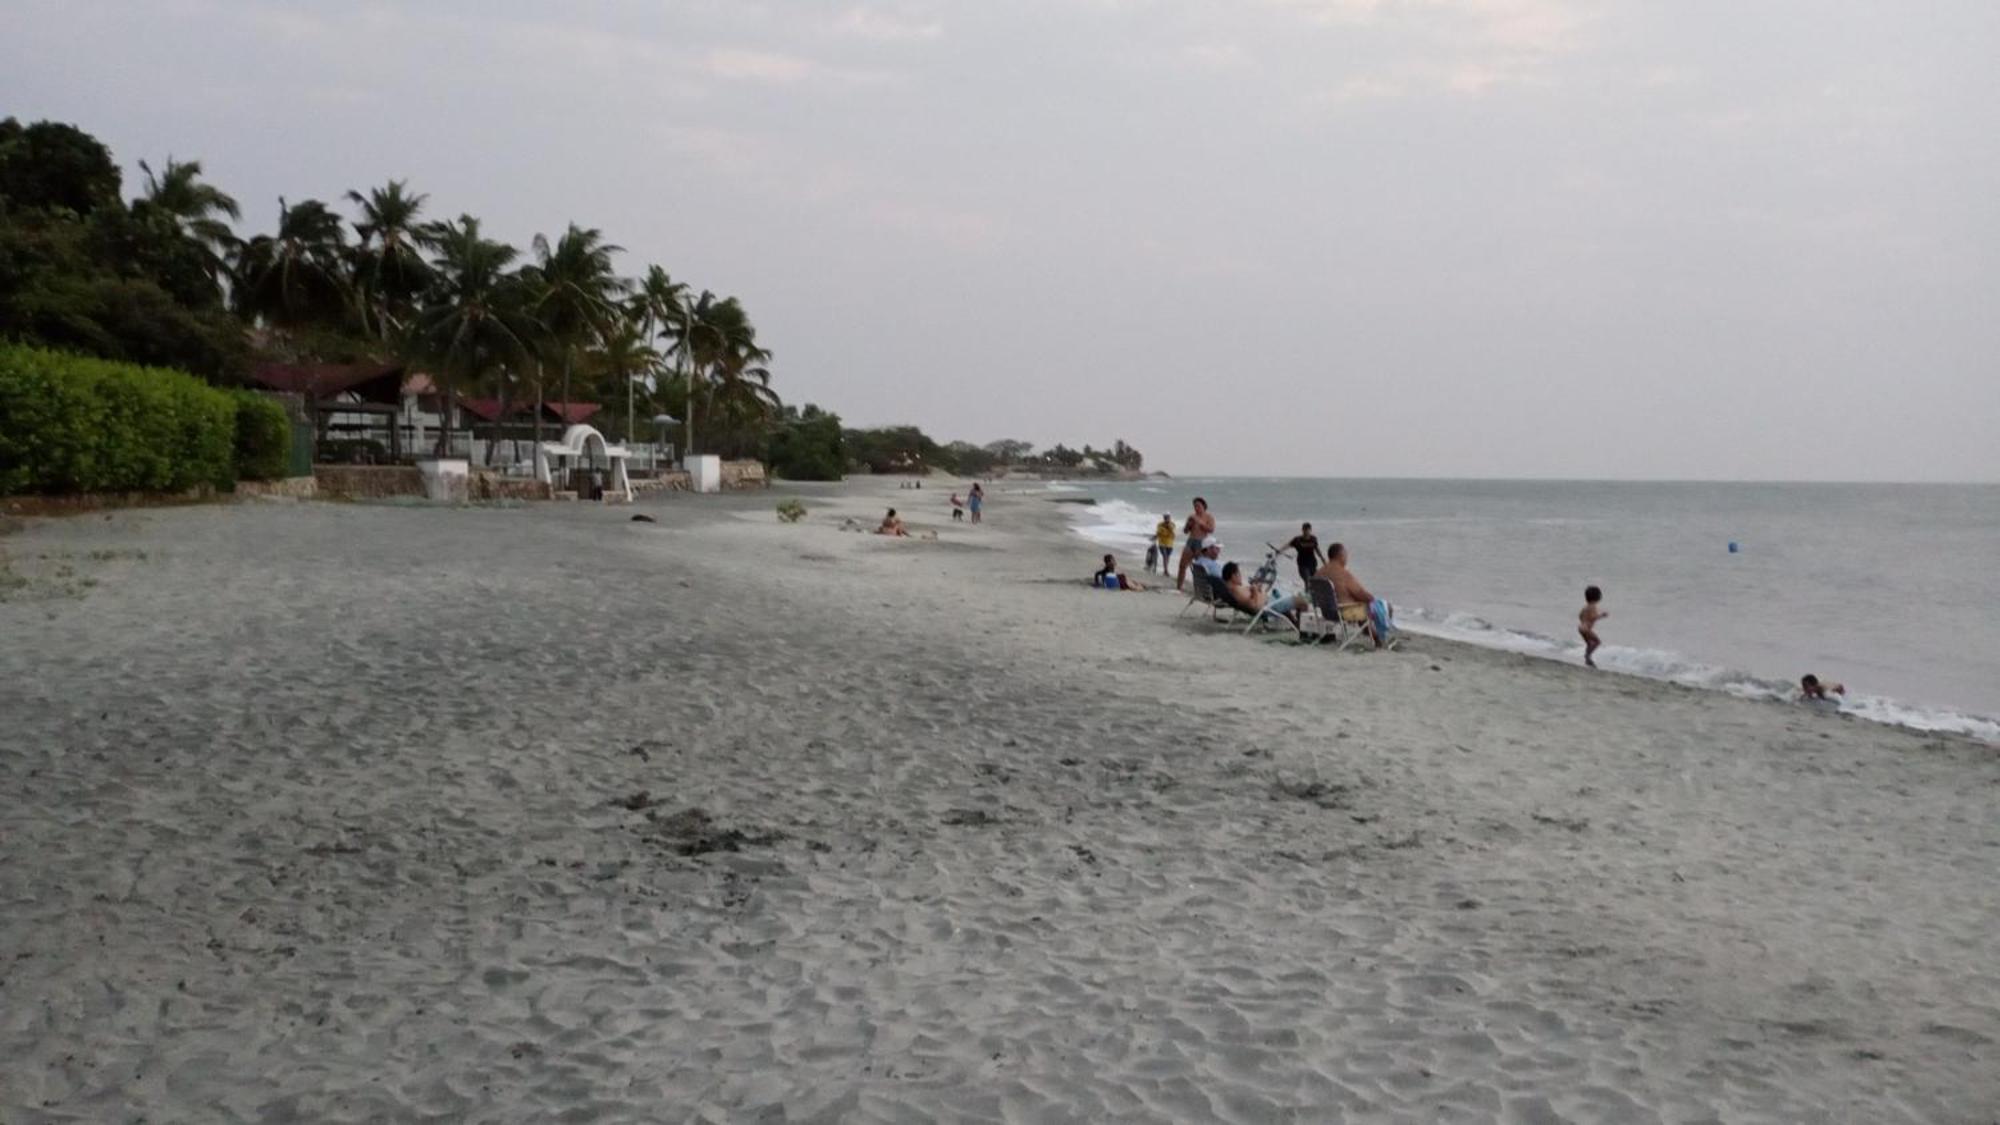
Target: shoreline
[[360, 812], [1668, 665]]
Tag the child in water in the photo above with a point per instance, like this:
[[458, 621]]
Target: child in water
[[1811, 690], [1587, 622]]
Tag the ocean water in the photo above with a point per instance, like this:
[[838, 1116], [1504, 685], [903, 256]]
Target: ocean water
[[1891, 589]]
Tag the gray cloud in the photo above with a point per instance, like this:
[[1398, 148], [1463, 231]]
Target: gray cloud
[[1431, 237]]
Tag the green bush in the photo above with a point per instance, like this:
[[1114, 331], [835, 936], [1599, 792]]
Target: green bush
[[263, 437], [808, 445], [71, 423], [790, 510]]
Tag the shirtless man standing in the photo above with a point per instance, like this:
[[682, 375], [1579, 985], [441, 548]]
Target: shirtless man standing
[[1200, 528]]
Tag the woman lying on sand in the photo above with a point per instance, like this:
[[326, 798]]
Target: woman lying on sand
[[1108, 577]]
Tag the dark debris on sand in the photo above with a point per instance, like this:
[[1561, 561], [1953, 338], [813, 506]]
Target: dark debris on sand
[[1323, 794], [692, 832]]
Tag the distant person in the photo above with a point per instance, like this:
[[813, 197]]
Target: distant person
[[1812, 691], [1376, 616], [1200, 527], [1108, 577], [892, 524], [1152, 556], [1163, 542], [975, 500], [957, 507], [1305, 552], [1586, 622]]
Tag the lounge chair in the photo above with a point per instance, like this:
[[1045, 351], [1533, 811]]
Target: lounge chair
[[1200, 592], [1345, 622], [1226, 599]]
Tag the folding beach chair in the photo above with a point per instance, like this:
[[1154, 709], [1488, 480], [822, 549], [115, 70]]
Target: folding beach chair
[[1342, 621], [1262, 616], [1200, 592]]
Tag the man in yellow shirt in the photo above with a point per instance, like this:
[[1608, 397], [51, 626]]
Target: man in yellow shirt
[[1163, 542]]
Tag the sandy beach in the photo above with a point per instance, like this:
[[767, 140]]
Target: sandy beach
[[353, 813]]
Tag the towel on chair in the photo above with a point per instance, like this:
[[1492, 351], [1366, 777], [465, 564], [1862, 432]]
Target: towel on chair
[[1382, 618]]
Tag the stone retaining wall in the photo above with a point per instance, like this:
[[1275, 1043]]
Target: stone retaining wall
[[367, 482], [98, 501], [744, 475], [292, 488], [669, 480], [493, 486]]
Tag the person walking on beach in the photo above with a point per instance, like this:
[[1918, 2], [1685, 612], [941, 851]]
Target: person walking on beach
[[1586, 622], [1163, 541], [1200, 528], [1305, 552], [975, 500]]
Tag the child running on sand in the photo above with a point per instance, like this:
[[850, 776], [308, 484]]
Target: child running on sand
[[1587, 622]]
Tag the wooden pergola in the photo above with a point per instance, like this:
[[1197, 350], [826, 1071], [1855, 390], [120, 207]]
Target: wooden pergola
[[374, 390]]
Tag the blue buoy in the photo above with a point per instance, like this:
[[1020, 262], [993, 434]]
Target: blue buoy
[[1732, 546]]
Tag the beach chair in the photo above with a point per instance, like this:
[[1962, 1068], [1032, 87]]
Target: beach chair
[[1222, 599], [1200, 592], [1342, 621]]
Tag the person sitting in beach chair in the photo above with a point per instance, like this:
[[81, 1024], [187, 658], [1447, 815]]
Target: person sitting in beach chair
[[1256, 601], [1108, 578], [892, 524], [1353, 604], [1235, 592]]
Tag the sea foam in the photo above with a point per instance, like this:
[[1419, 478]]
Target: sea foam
[[1122, 526]]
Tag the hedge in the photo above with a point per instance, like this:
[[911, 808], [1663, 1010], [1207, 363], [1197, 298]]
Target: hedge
[[71, 423], [263, 437]]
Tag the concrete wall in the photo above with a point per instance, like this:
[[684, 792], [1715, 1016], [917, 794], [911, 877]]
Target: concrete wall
[[367, 482], [744, 474], [493, 486], [97, 501], [295, 488]]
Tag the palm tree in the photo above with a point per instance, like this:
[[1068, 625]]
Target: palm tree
[[742, 401], [578, 298], [201, 212], [389, 267], [475, 316], [297, 277], [662, 303], [721, 346], [621, 357]]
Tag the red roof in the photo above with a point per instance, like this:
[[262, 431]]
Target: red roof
[[324, 380], [570, 413]]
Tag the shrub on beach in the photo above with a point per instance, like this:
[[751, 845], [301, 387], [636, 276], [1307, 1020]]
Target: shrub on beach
[[263, 437], [808, 445], [790, 510], [79, 424]]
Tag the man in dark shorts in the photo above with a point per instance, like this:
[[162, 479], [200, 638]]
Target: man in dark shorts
[[1305, 552], [1200, 528]]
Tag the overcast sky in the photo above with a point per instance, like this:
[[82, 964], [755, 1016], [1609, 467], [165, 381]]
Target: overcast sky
[[1706, 238]]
